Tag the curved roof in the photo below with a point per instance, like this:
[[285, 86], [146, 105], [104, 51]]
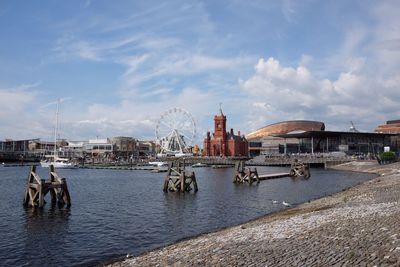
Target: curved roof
[[285, 127]]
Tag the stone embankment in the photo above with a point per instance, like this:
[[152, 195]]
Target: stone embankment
[[356, 227]]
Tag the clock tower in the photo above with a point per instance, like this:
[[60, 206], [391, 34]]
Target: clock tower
[[220, 126], [222, 143]]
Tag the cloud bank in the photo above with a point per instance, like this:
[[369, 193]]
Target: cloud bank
[[122, 67]]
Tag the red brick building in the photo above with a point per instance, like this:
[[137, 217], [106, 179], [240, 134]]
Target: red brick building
[[224, 143]]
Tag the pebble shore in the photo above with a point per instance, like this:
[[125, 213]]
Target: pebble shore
[[356, 227]]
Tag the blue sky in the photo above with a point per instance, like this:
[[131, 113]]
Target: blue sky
[[118, 65]]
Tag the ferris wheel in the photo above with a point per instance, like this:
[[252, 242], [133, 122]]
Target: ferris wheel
[[175, 131]]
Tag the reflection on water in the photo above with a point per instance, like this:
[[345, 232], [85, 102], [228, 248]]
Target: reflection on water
[[118, 212], [46, 231]]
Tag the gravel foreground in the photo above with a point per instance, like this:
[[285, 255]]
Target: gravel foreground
[[356, 227]]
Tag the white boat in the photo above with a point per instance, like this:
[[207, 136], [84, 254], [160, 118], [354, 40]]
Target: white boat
[[55, 160], [158, 163], [58, 163], [199, 165]]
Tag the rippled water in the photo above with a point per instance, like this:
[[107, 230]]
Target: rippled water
[[118, 212]]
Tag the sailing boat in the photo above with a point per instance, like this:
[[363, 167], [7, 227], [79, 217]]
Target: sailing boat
[[57, 161]]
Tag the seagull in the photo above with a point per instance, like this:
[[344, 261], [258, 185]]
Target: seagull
[[285, 204], [274, 201]]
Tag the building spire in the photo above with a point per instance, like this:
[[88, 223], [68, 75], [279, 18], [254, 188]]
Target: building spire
[[220, 109]]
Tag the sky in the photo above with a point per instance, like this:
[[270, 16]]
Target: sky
[[117, 66]]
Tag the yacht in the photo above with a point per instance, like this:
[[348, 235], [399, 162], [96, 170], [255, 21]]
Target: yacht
[[58, 163], [55, 160]]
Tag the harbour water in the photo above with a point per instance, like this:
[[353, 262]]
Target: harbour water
[[116, 212]]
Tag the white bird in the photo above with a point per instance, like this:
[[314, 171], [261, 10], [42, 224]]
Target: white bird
[[285, 204], [274, 201]]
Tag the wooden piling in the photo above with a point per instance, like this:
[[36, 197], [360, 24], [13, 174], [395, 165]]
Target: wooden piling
[[299, 169], [244, 174], [37, 189], [178, 179]]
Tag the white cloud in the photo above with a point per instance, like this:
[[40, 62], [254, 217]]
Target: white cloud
[[187, 64], [14, 100], [294, 93], [188, 61], [16, 110]]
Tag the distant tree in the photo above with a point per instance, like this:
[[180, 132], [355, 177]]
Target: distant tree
[[388, 156]]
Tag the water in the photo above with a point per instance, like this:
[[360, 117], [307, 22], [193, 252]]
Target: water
[[118, 212]]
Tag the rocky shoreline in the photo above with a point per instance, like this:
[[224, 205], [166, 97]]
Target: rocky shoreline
[[356, 227]]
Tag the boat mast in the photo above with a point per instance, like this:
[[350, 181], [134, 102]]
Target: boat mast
[[55, 130]]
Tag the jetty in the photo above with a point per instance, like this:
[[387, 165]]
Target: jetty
[[273, 176], [249, 175], [285, 160]]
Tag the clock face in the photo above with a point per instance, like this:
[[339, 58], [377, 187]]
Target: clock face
[[219, 125]]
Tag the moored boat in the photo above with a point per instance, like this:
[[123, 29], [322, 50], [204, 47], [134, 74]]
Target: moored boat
[[199, 165], [158, 163], [55, 160], [58, 163]]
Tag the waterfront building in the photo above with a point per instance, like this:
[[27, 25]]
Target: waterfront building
[[99, 149], [125, 147], [14, 149], [74, 149], [146, 148], [29, 149], [310, 137], [265, 141], [224, 143], [391, 127]]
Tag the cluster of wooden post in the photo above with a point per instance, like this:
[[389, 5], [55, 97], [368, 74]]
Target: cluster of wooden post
[[299, 169], [37, 189], [244, 174], [178, 179]]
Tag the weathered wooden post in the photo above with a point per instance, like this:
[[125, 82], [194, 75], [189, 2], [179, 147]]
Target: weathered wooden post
[[59, 190], [239, 172], [37, 189], [33, 189], [178, 179], [244, 174], [299, 169]]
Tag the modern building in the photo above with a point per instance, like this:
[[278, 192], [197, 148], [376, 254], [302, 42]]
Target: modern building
[[265, 141], [14, 149], [74, 149], [351, 143], [310, 137], [286, 127], [46, 148], [125, 147], [29, 149], [146, 148], [224, 143], [391, 127], [99, 148]]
